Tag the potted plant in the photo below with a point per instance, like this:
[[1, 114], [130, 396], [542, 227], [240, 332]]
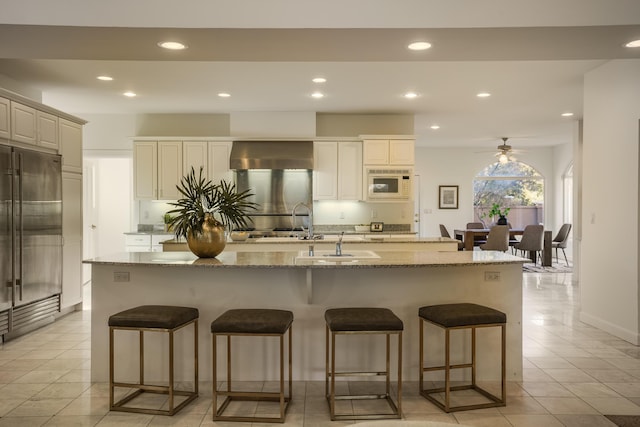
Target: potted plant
[[501, 213], [206, 210]]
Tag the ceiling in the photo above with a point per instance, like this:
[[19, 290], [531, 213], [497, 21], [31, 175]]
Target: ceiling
[[531, 57]]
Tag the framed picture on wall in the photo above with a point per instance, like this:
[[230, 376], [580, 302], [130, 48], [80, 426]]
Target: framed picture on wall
[[448, 197]]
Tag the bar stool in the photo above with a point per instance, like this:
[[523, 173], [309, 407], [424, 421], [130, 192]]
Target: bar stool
[[155, 318], [461, 316], [352, 321], [251, 322]]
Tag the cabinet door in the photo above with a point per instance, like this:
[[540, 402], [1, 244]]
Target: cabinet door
[[325, 170], [169, 169], [70, 139], [23, 123], [145, 169], [72, 238], [194, 155], [47, 125], [219, 152], [376, 151], [5, 122], [350, 170], [401, 152]]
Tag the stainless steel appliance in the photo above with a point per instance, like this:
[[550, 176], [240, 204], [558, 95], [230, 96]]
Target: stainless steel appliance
[[277, 191], [279, 174], [389, 184], [30, 238]]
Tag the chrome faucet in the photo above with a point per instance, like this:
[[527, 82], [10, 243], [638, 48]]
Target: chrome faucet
[[339, 245], [293, 219]]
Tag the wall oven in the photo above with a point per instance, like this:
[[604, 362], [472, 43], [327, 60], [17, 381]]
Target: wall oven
[[386, 184]]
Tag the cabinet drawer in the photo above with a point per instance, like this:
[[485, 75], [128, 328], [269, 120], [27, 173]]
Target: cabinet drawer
[[138, 240]]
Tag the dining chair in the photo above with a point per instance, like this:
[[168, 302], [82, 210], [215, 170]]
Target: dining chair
[[560, 241], [532, 241], [497, 240], [477, 240], [445, 233]]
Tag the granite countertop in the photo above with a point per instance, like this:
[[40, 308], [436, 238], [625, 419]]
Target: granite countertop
[[299, 259], [331, 239]]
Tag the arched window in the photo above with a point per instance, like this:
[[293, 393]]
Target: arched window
[[513, 185]]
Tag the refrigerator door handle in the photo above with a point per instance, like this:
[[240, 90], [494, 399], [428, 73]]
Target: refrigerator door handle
[[21, 225], [12, 190]]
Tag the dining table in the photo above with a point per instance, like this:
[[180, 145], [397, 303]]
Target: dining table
[[468, 236]]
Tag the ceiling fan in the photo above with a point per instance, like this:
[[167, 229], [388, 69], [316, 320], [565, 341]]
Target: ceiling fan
[[505, 152]]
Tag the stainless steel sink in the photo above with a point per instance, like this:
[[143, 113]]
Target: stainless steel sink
[[331, 255]]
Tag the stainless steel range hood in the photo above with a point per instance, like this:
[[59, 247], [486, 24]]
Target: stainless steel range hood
[[271, 155]]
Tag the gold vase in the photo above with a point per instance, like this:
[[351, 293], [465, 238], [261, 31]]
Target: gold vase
[[210, 242]]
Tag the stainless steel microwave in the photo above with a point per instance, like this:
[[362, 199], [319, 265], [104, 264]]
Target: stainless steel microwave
[[389, 184]]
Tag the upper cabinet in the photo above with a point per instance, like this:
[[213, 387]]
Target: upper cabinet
[[70, 140], [23, 123], [160, 165], [337, 170], [34, 127], [219, 152], [388, 151], [157, 169], [5, 118], [47, 130]]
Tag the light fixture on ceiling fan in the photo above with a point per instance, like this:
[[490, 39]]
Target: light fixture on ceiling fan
[[504, 152]]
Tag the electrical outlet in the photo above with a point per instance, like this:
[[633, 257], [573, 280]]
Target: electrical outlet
[[120, 276], [374, 213], [341, 215], [491, 276]]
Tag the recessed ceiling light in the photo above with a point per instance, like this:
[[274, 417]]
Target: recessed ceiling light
[[172, 45], [319, 80], [435, 127], [634, 43], [105, 78], [317, 94], [483, 95], [410, 95], [567, 114], [419, 46], [130, 94], [224, 95]]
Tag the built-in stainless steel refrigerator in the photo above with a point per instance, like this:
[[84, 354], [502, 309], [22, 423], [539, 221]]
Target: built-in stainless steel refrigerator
[[30, 238]]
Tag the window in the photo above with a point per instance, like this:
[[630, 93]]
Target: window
[[515, 185]]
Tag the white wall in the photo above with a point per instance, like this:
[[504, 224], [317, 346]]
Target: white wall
[[459, 166], [609, 249]]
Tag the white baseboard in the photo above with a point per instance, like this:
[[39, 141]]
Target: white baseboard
[[631, 336]]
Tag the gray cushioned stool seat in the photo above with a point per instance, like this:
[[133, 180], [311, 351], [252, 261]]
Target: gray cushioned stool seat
[[253, 321], [154, 316], [464, 314], [362, 319]]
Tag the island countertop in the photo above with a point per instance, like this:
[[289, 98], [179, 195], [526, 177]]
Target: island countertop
[[300, 260]]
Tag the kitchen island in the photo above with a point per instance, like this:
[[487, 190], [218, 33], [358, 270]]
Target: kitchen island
[[401, 281]]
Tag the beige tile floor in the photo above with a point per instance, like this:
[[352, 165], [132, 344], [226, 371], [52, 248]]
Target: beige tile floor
[[573, 374]]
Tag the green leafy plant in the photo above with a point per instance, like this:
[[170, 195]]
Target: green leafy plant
[[200, 196], [497, 211]]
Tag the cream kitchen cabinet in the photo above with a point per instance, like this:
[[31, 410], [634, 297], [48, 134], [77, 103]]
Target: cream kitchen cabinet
[[388, 151], [219, 152], [5, 118], [72, 239], [213, 156], [337, 170], [32, 126], [157, 169], [70, 139], [23, 123], [47, 130]]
